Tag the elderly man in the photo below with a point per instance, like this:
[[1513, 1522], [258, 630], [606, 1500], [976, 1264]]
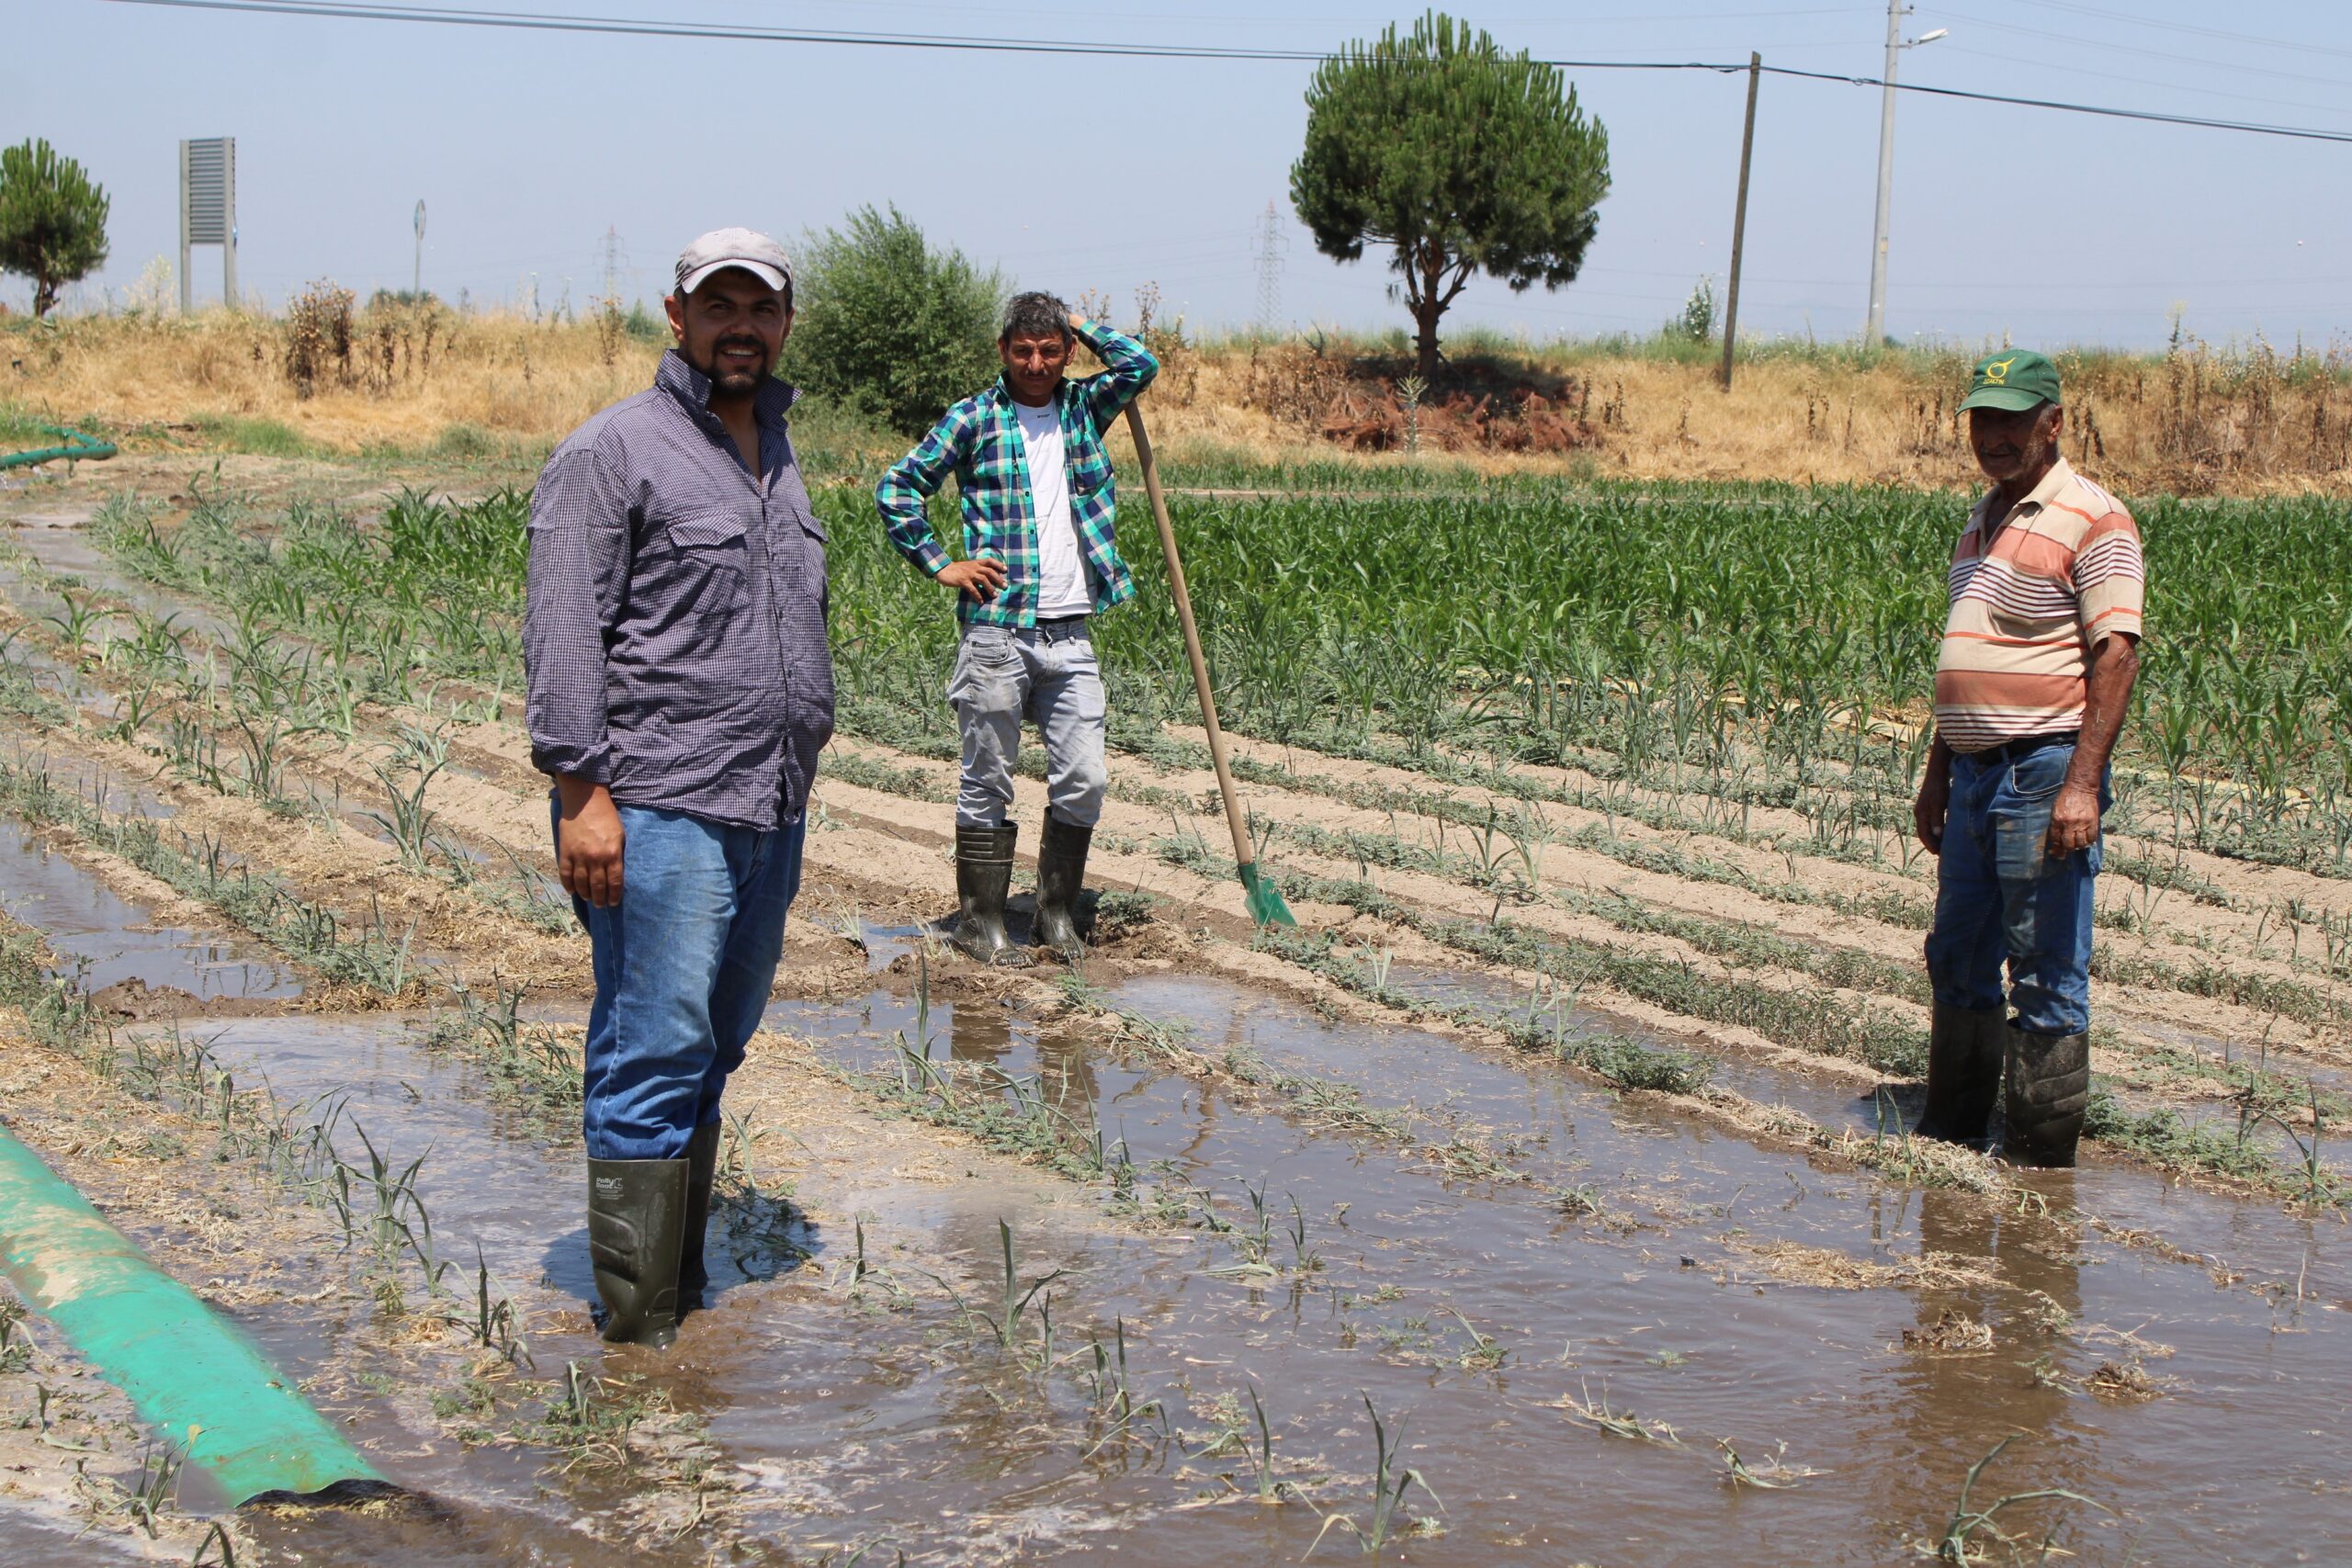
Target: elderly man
[[680, 687], [1040, 557], [2039, 651]]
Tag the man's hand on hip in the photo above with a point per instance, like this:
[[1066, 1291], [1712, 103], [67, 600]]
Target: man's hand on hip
[[589, 841], [979, 577], [2074, 819]]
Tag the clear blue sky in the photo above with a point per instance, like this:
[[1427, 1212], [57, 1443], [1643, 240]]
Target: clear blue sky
[[1101, 174]]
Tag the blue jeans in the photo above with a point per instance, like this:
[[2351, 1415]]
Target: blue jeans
[[2000, 897], [684, 963]]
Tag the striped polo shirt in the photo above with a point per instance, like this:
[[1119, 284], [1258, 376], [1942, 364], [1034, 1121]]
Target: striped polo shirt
[[2031, 595]]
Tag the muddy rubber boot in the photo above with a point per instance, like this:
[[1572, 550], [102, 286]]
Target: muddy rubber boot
[[1061, 872], [983, 878], [1964, 1048], [637, 1217], [2050, 1088], [702, 1170]]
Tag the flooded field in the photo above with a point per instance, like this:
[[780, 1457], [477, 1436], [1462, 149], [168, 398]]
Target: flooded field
[[1562, 1217]]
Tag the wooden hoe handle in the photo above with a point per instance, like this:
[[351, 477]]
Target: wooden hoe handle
[[1233, 817]]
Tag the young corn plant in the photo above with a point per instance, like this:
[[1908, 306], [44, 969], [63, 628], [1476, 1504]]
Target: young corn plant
[[763, 1229], [497, 1324], [1972, 1529], [1485, 1353], [918, 1074], [1115, 1405], [859, 1271], [1262, 1456], [418, 758], [1255, 1241], [154, 1488], [1013, 1301], [1386, 1512], [1305, 1259], [399, 1215]]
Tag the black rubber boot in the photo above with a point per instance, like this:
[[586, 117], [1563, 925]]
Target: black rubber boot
[[1964, 1048], [2050, 1088], [1061, 872], [702, 1170], [983, 878], [637, 1217]]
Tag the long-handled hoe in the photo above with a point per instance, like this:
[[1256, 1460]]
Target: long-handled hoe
[[1265, 900]]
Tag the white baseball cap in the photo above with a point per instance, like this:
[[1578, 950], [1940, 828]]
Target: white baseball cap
[[723, 248]]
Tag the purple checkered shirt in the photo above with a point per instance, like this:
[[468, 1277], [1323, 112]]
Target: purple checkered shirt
[[673, 637]]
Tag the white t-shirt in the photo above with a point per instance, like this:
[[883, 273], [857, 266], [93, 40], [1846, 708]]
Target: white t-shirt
[[1061, 587]]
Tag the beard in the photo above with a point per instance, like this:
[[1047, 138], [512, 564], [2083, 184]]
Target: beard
[[729, 378]]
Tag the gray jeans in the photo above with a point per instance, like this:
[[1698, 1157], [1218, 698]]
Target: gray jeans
[[1048, 674]]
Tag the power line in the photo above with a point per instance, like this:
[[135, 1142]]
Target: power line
[[2270, 98], [2254, 128], [628, 27], [2108, 46], [2221, 33]]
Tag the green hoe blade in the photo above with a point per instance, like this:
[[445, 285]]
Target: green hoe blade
[[1265, 900]]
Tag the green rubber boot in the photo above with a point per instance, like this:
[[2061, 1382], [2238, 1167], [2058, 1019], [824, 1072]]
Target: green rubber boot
[[983, 878], [702, 1171], [1061, 874], [2049, 1088], [1964, 1049], [637, 1218]]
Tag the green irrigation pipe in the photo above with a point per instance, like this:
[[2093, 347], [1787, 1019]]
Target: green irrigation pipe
[[195, 1380], [76, 445]]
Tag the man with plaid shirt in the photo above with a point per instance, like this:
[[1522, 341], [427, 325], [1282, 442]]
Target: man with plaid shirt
[[1039, 558]]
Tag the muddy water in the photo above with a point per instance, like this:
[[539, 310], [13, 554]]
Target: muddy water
[[1826, 1098], [87, 923], [63, 550], [1680, 1321], [892, 1417]]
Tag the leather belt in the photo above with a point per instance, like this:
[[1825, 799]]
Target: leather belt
[[2026, 745]]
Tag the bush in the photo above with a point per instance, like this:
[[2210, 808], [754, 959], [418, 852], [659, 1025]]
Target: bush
[[643, 326], [254, 436], [887, 326], [318, 338], [1698, 319], [465, 439]]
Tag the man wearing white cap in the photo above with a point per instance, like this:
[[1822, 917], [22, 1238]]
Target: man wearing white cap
[[680, 687]]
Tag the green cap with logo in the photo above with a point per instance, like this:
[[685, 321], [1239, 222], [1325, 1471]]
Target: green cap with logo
[[2015, 380]]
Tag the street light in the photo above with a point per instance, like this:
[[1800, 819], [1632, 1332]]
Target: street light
[[1874, 329]]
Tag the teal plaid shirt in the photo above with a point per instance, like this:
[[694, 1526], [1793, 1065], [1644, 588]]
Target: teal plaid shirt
[[980, 442]]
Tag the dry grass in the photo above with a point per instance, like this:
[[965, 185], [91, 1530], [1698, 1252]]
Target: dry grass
[[476, 383], [431, 381], [1825, 1268], [1953, 1333]]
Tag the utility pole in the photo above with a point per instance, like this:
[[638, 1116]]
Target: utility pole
[[1739, 216], [1874, 328], [416, 279]]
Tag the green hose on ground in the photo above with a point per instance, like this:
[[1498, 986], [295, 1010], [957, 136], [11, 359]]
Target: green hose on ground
[[77, 447], [195, 1378]]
